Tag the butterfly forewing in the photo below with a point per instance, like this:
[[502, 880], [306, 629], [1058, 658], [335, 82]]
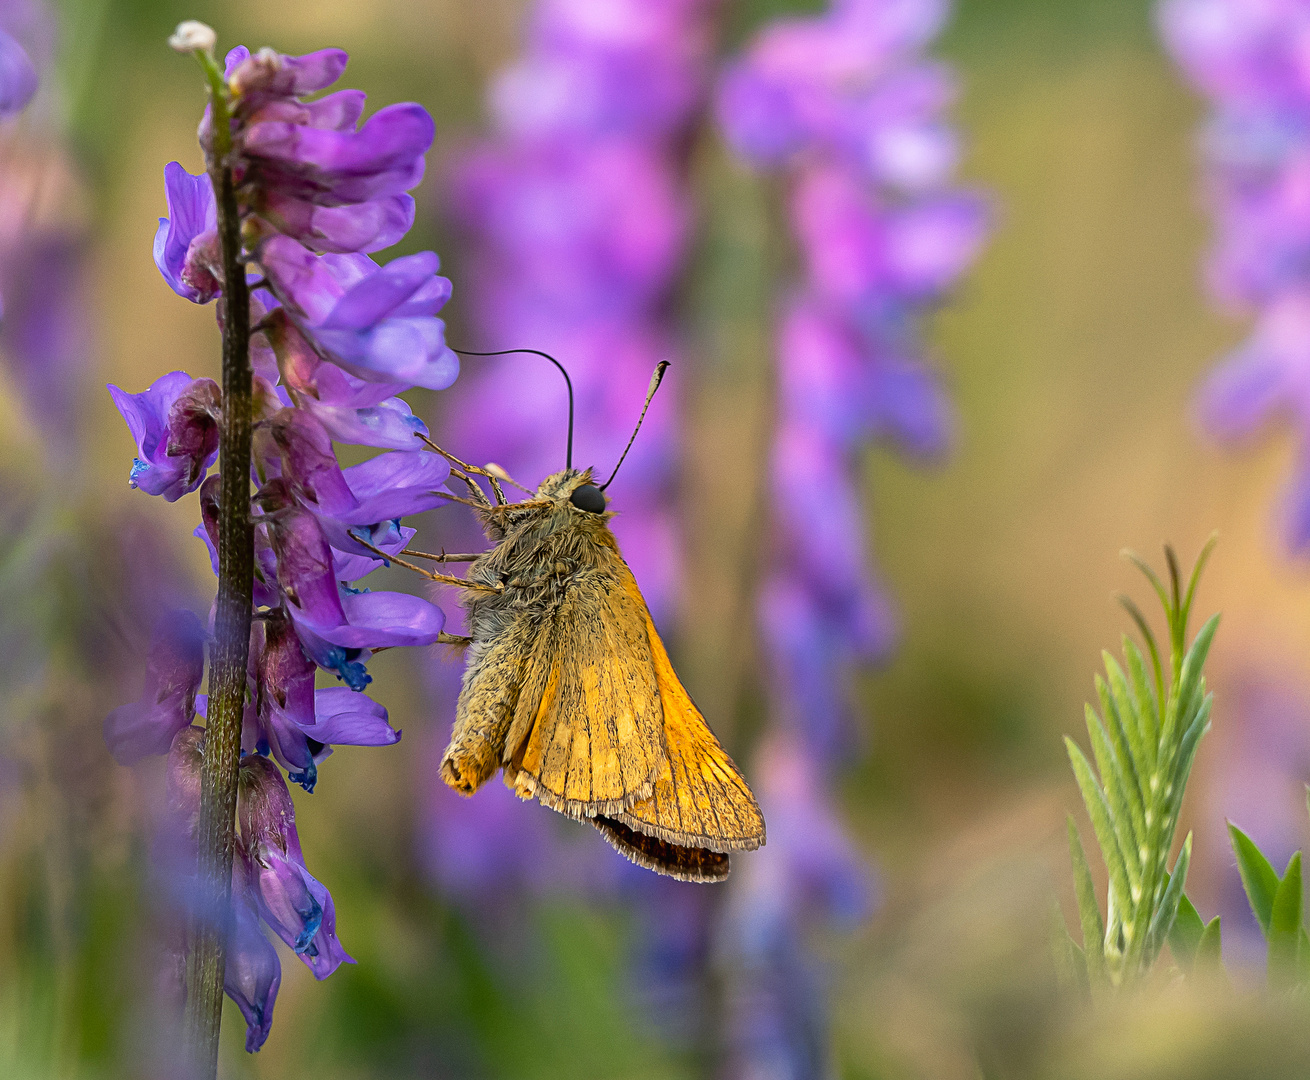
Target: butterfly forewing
[[587, 734], [700, 800]]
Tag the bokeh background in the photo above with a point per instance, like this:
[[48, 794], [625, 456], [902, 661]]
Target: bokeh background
[[1072, 351]]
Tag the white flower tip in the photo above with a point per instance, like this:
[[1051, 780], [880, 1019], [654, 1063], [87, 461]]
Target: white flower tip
[[193, 36]]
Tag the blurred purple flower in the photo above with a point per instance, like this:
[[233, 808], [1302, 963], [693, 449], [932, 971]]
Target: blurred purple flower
[[168, 701], [844, 106], [18, 79], [1248, 60], [808, 874]]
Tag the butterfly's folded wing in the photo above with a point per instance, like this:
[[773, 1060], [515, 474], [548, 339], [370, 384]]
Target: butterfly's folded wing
[[700, 806], [587, 732]]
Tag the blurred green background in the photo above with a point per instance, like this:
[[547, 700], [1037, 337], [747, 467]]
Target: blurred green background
[[1072, 352]]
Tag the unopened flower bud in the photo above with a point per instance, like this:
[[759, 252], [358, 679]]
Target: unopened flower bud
[[193, 36]]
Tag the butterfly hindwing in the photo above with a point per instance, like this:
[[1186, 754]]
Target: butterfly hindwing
[[699, 800]]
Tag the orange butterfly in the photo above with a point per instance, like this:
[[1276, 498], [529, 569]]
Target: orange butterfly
[[569, 691]]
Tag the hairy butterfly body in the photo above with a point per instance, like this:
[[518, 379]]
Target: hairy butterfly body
[[568, 690]]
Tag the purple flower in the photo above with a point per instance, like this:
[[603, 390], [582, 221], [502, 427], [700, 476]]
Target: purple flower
[[17, 76], [381, 490], [168, 700], [368, 226], [376, 322], [292, 901], [294, 722], [808, 875], [273, 74], [186, 242], [175, 425], [337, 625], [351, 410], [341, 167]]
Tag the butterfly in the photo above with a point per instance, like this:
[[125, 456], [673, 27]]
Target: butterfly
[[568, 688]]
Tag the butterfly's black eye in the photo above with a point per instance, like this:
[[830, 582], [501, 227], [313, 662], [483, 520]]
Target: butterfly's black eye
[[588, 497]]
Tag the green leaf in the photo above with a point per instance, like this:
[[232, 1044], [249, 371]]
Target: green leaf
[[1185, 934], [1209, 954], [1115, 785], [1194, 661], [1151, 576], [1103, 825], [1145, 628], [1163, 919], [1187, 753], [1259, 878], [1285, 927], [1127, 739], [1139, 750], [1089, 912], [1070, 965], [1148, 708], [1197, 570]]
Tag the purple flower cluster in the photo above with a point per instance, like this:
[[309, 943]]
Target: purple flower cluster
[[843, 106], [1249, 60], [337, 337], [576, 223]]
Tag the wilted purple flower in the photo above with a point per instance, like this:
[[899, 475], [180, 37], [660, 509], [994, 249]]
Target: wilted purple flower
[[175, 425], [253, 972], [291, 901], [168, 701]]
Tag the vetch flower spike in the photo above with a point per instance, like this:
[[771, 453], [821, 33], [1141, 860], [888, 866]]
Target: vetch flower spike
[[1143, 741]]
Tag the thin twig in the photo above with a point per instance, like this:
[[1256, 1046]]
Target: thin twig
[[215, 833]]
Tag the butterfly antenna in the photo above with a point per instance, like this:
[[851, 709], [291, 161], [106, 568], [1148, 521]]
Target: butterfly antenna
[[655, 381], [568, 455]]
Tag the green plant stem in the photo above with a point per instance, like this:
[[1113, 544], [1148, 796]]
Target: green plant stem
[[207, 952]]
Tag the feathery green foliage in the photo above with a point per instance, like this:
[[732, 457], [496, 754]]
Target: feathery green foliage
[[1143, 742]]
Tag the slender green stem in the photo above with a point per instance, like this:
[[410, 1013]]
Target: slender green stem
[[207, 957]]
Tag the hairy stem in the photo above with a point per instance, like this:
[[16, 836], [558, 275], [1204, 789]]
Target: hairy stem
[[206, 959]]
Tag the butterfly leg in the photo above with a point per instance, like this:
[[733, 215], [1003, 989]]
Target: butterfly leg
[[444, 579], [444, 557], [493, 473]]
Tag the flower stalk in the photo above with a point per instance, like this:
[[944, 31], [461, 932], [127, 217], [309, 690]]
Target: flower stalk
[[206, 957]]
